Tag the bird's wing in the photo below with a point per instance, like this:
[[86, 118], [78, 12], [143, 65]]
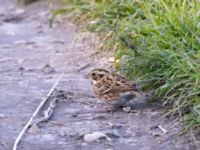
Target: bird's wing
[[114, 84], [122, 84], [104, 85], [105, 89]]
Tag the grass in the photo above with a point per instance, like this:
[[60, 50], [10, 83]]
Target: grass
[[158, 43]]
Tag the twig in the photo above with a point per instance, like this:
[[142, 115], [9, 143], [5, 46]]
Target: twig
[[35, 113], [162, 129], [47, 113], [83, 67], [78, 70], [30, 122]]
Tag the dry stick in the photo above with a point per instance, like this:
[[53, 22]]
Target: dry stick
[[40, 106], [162, 129], [83, 67], [35, 113]]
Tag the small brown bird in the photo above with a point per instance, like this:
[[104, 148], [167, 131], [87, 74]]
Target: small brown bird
[[113, 88]]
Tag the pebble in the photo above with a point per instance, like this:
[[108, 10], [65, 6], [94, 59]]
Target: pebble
[[155, 134], [74, 114], [126, 109], [47, 69], [2, 116], [19, 11], [34, 129], [95, 136]]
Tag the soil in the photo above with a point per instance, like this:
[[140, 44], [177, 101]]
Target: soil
[[32, 56]]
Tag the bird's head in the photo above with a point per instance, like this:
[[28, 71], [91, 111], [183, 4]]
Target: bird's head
[[96, 74]]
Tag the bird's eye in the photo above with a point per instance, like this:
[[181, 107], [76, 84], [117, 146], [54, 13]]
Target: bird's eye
[[93, 74]]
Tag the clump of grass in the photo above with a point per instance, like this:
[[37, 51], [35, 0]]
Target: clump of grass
[[159, 42]]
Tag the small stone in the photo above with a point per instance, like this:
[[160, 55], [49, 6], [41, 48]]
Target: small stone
[[62, 133], [21, 69], [84, 144], [112, 59], [34, 129], [2, 116], [95, 136], [101, 117], [152, 127], [57, 122], [74, 114], [20, 11], [47, 69], [155, 134], [126, 109]]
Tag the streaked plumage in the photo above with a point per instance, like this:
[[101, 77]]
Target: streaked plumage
[[111, 87]]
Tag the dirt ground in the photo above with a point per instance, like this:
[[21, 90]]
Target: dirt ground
[[32, 56]]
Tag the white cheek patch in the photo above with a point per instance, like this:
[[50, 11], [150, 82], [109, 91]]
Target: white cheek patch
[[94, 82]]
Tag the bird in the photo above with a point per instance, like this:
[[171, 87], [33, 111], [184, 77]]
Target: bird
[[113, 88]]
